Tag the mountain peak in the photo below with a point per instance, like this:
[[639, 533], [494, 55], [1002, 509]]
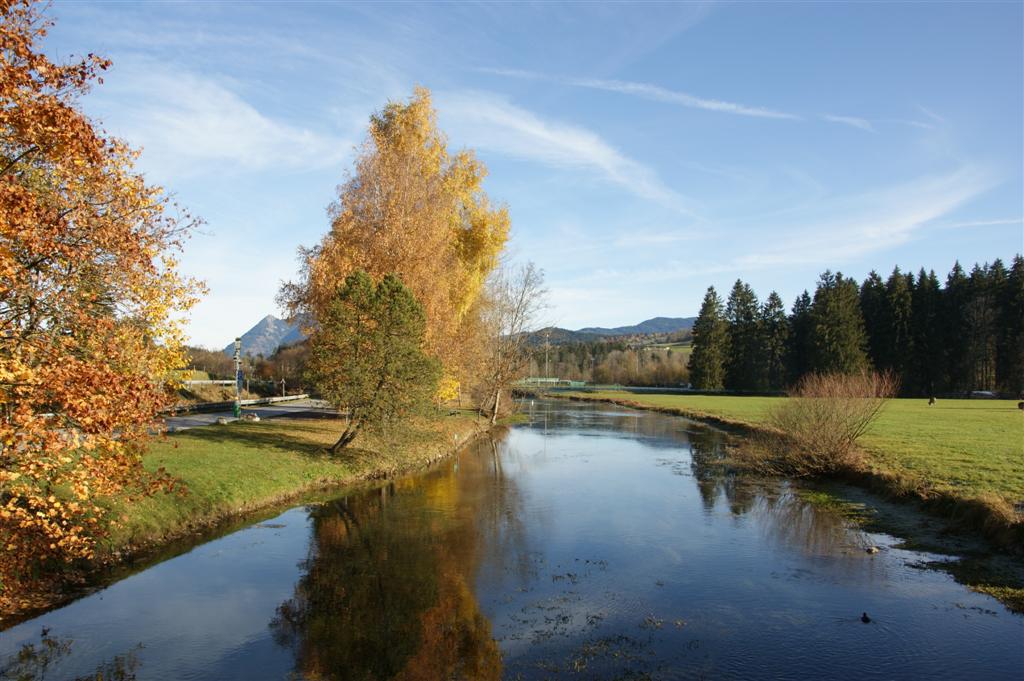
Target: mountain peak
[[266, 336]]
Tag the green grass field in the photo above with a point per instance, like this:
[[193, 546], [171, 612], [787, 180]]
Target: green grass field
[[969, 447], [244, 466]]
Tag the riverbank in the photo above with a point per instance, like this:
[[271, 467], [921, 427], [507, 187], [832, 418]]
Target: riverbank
[[234, 471], [961, 459]]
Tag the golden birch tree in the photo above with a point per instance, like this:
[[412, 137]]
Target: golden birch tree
[[413, 209]]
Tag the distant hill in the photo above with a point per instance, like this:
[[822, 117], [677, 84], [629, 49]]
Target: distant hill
[[271, 333], [654, 325], [658, 325], [557, 336], [268, 335]]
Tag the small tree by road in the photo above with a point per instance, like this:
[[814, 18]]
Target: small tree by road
[[367, 356]]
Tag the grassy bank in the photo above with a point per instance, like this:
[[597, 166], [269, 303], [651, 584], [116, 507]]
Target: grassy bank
[[243, 466], [963, 457], [230, 473]]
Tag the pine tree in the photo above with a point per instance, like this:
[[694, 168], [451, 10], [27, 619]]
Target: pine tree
[[981, 317], [873, 304], [838, 338], [775, 333], [367, 354], [710, 345], [744, 369], [927, 373], [955, 298], [1010, 351], [800, 346], [898, 309]]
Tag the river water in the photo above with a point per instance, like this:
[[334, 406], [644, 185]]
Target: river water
[[594, 542]]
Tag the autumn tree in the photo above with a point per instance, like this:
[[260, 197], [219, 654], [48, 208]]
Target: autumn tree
[[413, 209], [366, 355], [514, 301], [710, 344], [88, 297]]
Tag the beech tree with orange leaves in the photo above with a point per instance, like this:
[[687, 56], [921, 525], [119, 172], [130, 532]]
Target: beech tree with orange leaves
[[415, 210], [89, 295]]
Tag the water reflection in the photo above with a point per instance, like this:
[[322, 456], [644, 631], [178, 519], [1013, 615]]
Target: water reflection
[[594, 542], [387, 590], [35, 661]]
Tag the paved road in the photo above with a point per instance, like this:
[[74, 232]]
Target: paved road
[[304, 408]]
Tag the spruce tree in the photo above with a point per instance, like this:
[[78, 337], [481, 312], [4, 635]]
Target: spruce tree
[[981, 317], [955, 298], [838, 339], [898, 309], [800, 346], [873, 304], [928, 366], [710, 345], [1010, 351], [775, 333], [744, 369]]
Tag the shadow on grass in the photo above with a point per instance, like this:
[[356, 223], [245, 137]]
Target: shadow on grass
[[299, 434], [311, 438]]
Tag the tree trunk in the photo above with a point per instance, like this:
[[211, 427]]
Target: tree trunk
[[350, 434], [497, 399]]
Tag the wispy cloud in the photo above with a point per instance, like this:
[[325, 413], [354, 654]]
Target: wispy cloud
[[861, 123], [646, 239], [931, 114], [842, 229], [982, 223], [190, 124], [488, 121], [649, 91], [837, 230]]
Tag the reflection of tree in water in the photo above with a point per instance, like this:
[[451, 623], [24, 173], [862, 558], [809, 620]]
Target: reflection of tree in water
[[561, 415], [387, 592], [499, 514], [715, 478], [809, 527], [34, 662], [786, 517]]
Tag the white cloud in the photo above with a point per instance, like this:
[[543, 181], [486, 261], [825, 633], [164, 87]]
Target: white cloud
[[644, 239], [833, 231], [853, 121], [661, 94], [839, 230], [189, 124], [488, 121], [649, 91], [983, 223]]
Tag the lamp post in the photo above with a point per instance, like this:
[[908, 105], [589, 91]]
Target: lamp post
[[238, 378]]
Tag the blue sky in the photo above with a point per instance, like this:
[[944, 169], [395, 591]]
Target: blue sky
[[645, 151]]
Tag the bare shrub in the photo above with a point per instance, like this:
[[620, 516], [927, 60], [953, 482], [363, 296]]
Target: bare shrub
[[826, 414]]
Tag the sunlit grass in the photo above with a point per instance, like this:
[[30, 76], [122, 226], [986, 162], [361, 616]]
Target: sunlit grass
[[970, 447], [232, 469]]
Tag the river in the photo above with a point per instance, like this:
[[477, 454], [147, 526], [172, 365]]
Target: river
[[593, 542]]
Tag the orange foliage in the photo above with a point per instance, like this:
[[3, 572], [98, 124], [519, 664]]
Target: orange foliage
[[88, 296], [415, 210]]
